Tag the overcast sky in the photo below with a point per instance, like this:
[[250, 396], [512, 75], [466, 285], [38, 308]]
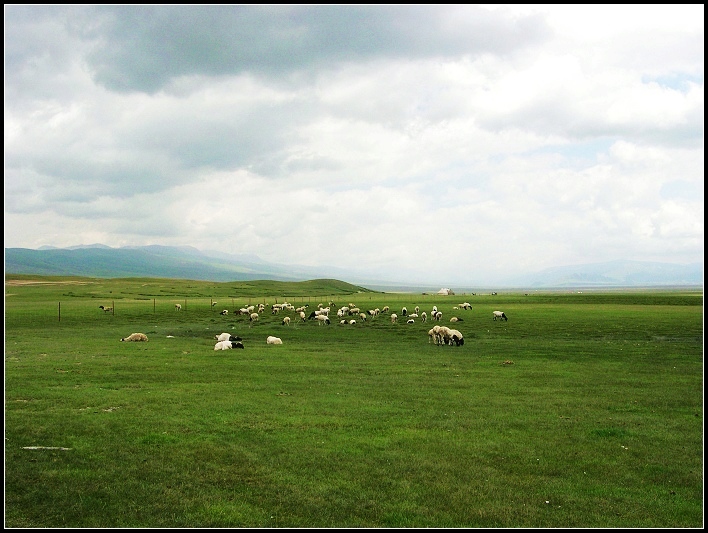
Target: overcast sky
[[468, 141]]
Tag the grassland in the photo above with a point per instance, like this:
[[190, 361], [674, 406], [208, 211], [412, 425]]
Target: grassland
[[583, 410]]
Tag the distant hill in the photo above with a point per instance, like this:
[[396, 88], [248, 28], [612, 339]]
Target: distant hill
[[615, 274], [186, 262]]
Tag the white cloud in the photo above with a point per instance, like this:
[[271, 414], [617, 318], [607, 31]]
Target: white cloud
[[526, 136]]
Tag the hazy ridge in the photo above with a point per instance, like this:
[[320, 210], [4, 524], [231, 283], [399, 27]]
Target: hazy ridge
[[189, 263]]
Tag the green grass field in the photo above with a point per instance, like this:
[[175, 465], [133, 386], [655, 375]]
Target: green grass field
[[583, 410]]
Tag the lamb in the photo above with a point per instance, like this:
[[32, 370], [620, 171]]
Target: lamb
[[178, 307], [227, 337], [286, 321], [105, 309], [273, 340], [499, 314], [135, 337]]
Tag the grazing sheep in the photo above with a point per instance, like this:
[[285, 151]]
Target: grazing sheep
[[286, 321], [456, 338], [423, 316], [499, 314], [224, 312], [227, 337], [385, 309], [438, 316], [352, 322], [253, 317], [302, 316], [410, 321], [394, 317], [404, 311], [343, 321], [466, 305], [105, 309], [178, 307], [213, 303], [362, 316], [323, 319], [433, 335], [273, 340], [135, 337], [417, 309]]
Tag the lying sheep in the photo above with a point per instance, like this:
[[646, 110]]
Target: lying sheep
[[227, 345], [227, 337], [135, 337], [456, 319], [273, 340]]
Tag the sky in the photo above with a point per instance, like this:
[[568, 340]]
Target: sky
[[462, 142]]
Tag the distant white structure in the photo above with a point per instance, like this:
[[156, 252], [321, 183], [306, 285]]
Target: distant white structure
[[446, 292]]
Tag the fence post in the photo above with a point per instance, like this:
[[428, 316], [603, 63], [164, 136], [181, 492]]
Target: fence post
[[113, 304], [153, 306], [59, 311]]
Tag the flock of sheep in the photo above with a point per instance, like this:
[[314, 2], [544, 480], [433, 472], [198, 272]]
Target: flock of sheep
[[439, 335]]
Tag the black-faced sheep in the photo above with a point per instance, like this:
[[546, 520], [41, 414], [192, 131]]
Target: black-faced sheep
[[135, 337], [224, 312], [499, 314], [105, 309], [394, 317], [227, 337], [228, 345], [286, 321], [323, 319]]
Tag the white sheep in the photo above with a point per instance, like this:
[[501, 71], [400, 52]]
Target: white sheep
[[273, 340], [423, 316], [352, 322], [224, 312], [286, 321], [105, 309], [455, 319], [404, 311], [394, 317], [253, 317], [135, 337], [323, 319], [222, 345], [410, 321], [456, 338], [178, 307], [499, 314], [303, 317], [227, 337]]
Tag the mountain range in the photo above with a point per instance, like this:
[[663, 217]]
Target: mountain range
[[186, 262]]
